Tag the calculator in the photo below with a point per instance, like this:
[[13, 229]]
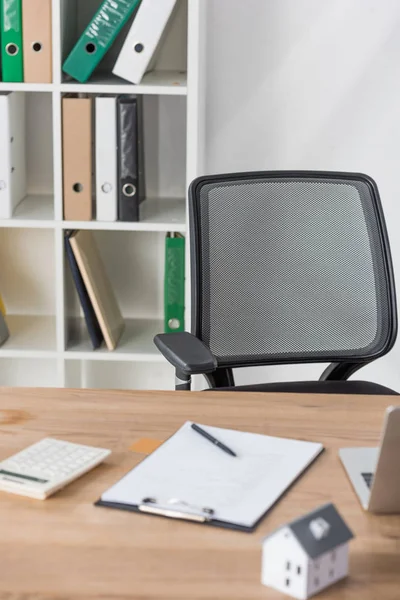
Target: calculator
[[47, 466]]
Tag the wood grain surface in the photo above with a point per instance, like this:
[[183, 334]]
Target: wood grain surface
[[65, 548]]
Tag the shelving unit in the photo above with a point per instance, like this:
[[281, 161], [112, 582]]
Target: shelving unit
[[49, 344]]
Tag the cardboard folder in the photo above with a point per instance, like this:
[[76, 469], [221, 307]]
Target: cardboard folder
[[37, 41], [77, 158]]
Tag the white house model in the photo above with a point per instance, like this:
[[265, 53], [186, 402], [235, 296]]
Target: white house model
[[307, 555]]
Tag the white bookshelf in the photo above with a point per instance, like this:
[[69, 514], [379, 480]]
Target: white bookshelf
[[49, 344]]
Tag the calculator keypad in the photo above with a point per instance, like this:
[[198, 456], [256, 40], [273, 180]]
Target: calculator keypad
[[53, 459]]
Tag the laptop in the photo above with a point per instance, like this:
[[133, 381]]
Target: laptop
[[374, 472]]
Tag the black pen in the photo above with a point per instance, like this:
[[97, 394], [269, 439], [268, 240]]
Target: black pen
[[213, 439]]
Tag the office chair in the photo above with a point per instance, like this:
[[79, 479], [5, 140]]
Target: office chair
[[287, 267]]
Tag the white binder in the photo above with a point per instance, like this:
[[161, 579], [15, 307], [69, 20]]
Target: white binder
[[143, 38], [12, 152], [106, 159]]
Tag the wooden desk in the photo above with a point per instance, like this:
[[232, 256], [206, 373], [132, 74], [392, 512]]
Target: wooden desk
[[66, 548]]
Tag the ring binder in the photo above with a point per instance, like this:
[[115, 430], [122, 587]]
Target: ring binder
[[98, 37], [11, 40]]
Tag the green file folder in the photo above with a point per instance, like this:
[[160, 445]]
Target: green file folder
[[11, 40], [174, 283], [98, 37]]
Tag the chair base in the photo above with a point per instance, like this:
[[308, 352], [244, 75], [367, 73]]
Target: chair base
[[315, 387]]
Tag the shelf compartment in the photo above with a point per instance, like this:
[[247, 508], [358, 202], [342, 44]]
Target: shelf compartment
[[30, 335], [27, 278], [170, 64], [35, 211], [134, 264], [29, 372], [157, 214], [135, 344], [120, 375], [37, 162], [39, 144]]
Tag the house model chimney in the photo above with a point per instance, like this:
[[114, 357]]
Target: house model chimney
[[319, 528]]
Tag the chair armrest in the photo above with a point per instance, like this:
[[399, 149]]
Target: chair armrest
[[186, 352]]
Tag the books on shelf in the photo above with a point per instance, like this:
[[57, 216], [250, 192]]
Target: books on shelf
[[119, 156], [92, 323], [149, 24], [99, 305], [26, 41], [94, 285]]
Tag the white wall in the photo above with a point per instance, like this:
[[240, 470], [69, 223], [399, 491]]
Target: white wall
[[308, 84]]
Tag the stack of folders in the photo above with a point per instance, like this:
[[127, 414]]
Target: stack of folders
[[119, 186], [137, 55], [102, 315], [26, 40], [174, 283]]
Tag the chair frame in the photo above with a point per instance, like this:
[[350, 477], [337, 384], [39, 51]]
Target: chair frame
[[222, 373]]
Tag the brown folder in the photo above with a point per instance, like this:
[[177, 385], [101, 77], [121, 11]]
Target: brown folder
[[77, 158], [37, 41], [98, 286]]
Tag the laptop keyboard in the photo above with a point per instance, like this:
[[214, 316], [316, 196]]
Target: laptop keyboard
[[368, 477]]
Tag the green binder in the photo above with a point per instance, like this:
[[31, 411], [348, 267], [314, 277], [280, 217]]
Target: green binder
[[174, 283], [98, 38], [11, 40]]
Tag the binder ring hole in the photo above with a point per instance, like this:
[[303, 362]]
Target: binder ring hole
[[37, 47], [138, 48], [174, 323], [12, 49], [90, 48], [77, 187], [106, 188], [129, 190]]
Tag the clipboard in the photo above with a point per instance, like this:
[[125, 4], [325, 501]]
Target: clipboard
[[188, 478], [181, 515]]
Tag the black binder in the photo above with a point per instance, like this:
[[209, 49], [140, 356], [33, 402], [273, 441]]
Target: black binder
[[96, 337], [131, 176]]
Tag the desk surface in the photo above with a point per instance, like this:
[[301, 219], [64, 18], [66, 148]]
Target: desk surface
[[66, 548]]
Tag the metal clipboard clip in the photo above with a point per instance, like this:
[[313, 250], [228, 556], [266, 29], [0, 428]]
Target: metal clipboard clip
[[176, 509]]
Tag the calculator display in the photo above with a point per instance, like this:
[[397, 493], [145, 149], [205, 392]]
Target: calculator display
[[20, 476]]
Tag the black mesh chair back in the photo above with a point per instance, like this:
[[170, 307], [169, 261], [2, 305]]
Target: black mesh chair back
[[290, 267]]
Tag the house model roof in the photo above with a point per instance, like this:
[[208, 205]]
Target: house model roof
[[320, 531]]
